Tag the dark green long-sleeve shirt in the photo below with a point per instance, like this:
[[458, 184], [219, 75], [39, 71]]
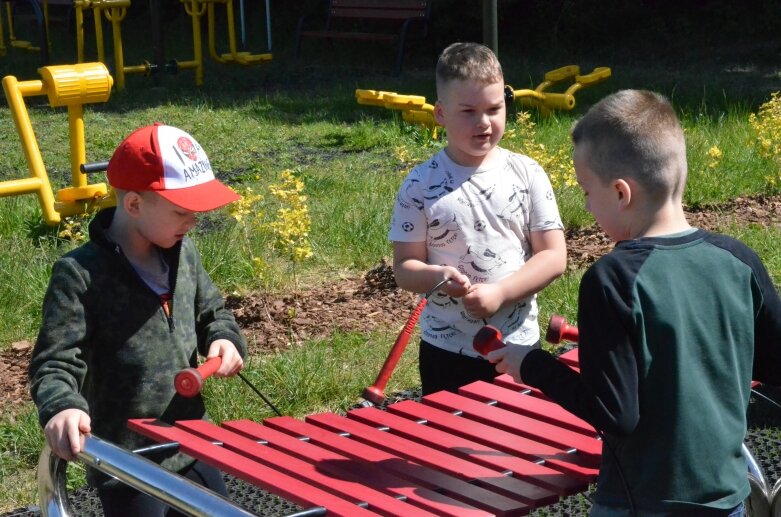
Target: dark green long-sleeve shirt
[[106, 345], [672, 331]]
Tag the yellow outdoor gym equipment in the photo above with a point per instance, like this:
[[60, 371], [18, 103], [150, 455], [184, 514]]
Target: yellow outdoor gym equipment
[[415, 110], [40, 10], [233, 56], [115, 11], [547, 101], [65, 85], [12, 40]]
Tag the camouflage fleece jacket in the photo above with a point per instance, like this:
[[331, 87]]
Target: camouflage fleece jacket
[[106, 345]]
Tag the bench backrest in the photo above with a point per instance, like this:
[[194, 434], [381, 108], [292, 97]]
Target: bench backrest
[[380, 9]]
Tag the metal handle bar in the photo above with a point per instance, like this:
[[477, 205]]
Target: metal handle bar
[[133, 470], [89, 168]]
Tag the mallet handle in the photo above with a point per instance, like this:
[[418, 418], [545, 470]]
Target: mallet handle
[[376, 392], [189, 381], [209, 366]]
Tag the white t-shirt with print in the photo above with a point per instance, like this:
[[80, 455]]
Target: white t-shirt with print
[[478, 220]]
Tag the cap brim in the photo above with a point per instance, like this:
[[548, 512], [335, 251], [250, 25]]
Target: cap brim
[[201, 198]]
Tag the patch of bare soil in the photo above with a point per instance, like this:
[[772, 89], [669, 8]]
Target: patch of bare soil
[[374, 301]]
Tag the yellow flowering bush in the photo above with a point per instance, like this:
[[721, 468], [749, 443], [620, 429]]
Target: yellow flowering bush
[[289, 227], [556, 162], [767, 127], [248, 213], [246, 207], [74, 227], [714, 157], [292, 223], [401, 153]]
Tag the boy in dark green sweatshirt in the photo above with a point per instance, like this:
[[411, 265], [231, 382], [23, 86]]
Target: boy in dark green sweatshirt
[[674, 324], [132, 307]]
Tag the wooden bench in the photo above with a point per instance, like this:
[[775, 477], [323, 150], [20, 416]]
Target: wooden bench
[[387, 21]]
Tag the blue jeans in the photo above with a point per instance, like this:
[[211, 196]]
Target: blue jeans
[[610, 511]]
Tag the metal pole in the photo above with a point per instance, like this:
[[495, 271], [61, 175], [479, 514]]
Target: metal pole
[[133, 470], [268, 23], [490, 26], [157, 39], [242, 22]]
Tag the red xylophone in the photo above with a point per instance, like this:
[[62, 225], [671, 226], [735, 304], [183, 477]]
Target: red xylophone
[[491, 449]]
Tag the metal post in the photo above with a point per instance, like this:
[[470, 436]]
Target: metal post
[[268, 23], [157, 38], [490, 26], [242, 22]]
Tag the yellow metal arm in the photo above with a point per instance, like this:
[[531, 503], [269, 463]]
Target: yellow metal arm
[[71, 86], [415, 110], [547, 101]]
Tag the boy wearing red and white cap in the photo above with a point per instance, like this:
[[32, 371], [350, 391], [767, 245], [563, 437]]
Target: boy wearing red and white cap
[[126, 311]]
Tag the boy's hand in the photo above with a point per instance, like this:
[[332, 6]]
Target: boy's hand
[[508, 360], [483, 300], [458, 283], [232, 362], [64, 432]]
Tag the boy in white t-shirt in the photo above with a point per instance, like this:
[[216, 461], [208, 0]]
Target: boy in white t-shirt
[[480, 216]]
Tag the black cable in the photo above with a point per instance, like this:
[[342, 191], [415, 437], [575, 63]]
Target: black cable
[[241, 376], [620, 473], [436, 287]]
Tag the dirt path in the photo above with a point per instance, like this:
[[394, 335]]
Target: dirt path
[[373, 300]]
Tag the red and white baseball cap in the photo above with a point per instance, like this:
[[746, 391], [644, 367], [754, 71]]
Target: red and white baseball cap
[[166, 160]]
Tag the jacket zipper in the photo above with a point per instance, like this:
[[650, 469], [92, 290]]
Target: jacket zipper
[[166, 300]]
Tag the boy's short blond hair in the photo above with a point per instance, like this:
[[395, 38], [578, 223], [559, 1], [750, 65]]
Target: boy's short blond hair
[[635, 134], [467, 61]]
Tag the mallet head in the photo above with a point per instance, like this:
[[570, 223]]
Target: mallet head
[[374, 395], [188, 382], [487, 339], [559, 330]]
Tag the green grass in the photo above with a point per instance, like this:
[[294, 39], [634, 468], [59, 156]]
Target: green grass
[[257, 122], [324, 375]]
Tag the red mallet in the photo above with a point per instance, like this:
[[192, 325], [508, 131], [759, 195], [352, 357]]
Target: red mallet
[[487, 339], [376, 392], [189, 381], [559, 330]]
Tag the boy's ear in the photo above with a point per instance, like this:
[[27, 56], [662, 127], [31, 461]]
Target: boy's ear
[[131, 202], [623, 192], [439, 114]]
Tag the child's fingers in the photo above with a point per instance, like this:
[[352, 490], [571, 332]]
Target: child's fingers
[[85, 423], [494, 356], [232, 362], [74, 438], [234, 366]]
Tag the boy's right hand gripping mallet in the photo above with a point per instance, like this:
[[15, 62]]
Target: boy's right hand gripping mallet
[[189, 381], [559, 330]]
